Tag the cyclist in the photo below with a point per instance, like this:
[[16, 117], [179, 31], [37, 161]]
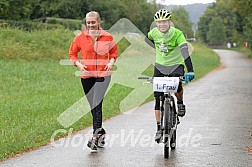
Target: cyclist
[[171, 55]]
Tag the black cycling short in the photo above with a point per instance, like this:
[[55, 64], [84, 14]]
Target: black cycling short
[[171, 71]]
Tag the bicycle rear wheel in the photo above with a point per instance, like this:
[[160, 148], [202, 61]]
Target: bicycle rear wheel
[[167, 127]]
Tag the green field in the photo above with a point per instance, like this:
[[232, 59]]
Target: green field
[[35, 89]]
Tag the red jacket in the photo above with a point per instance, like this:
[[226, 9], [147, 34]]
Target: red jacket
[[94, 55]]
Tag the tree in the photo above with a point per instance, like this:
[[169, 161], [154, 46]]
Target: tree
[[228, 16], [72, 9], [230, 20], [248, 30], [203, 24], [140, 13], [110, 10], [243, 7], [216, 34], [243, 10], [181, 20], [16, 9]]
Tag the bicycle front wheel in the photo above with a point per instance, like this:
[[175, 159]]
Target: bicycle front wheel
[[167, 127]]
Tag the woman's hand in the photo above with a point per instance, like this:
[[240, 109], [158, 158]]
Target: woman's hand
[[109, 66], [82, 68]]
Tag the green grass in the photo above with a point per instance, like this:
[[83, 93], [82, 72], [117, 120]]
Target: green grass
[[35, 89], [35, 45], [32, 96], [204, 60], [245, 51]]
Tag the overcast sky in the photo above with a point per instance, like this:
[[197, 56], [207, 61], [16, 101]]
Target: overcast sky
[[183, 2]]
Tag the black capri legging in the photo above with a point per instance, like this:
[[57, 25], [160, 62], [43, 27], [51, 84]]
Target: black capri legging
[[95, 89], [171, 71]]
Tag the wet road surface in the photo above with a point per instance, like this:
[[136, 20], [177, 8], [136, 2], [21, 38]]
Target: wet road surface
[[216, 130]]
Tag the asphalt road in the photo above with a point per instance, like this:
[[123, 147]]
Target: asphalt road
[[216, 130]]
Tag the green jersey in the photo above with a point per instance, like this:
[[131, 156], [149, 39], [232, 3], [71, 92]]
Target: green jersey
[[167, 46]]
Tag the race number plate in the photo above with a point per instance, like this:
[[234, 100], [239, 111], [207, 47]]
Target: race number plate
[[165, 84]]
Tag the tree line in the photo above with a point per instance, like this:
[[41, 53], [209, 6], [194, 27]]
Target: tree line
[[140, 13], [226, 21]]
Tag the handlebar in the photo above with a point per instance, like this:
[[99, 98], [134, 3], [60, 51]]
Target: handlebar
[[144, 77], [149, 79]]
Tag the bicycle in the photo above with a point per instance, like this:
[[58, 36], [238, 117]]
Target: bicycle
[[168, 116]]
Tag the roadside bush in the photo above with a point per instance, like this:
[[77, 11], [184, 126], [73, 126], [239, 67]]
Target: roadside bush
[[28, 25]]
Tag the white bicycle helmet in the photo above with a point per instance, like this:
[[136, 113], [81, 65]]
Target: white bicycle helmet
[[162, 15]]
